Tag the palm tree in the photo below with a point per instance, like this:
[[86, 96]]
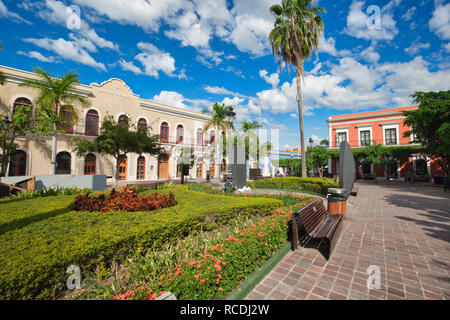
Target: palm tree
[[2, 76], [295, 35], [55, 93], [219, 116]]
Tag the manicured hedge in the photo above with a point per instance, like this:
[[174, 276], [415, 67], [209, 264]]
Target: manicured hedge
[[317, 185], [41, 238]]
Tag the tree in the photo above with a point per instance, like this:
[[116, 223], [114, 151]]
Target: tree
[[22, 122], [55, 93], [325, 143], [117, 141], [219, 116], [430, 125], [320, 158], [297, 28]]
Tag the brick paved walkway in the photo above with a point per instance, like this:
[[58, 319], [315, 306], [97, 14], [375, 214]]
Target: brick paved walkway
[[403, 229]]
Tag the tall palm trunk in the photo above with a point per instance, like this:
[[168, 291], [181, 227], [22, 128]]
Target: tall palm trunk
[[300, 117], [53, 160]]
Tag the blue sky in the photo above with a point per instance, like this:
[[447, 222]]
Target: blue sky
[[191, 53]]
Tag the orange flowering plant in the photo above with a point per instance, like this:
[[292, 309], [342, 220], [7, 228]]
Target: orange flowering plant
[[216, 270]]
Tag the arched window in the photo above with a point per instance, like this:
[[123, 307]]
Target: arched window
[[17, 166], [63, 163], [124, 121], [65, 117], [91, 128], [180, 134], [199, 137], [90, 164], [142, 125], [140, 168], [164, 132], [22, 102]]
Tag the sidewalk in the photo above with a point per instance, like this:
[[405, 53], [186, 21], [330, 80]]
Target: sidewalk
[[403, 229]]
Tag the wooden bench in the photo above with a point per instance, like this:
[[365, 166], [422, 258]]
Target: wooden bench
[[313, 227]]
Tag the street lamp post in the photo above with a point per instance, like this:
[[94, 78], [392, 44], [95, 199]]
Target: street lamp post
[[229, 179], [312, 168]]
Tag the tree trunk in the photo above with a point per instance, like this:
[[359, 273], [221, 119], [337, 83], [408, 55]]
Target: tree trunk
[[117, 172], [300, 116], [53, 160]]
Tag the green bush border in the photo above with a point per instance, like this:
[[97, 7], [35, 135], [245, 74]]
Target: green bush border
[[252, 281]]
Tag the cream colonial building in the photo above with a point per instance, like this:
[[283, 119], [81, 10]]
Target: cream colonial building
[[178, 128]]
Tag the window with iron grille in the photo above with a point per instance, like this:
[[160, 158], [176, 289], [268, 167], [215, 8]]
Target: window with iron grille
[[365, 137], [91, 128], [164, 132], [390, 136], [340, 136]]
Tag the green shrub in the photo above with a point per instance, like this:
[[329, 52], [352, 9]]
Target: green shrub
[[40, 239], [29, 194], [317, 185]]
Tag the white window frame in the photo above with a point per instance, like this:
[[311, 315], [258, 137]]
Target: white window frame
[[341, 131], [390, 126], [359, 134]]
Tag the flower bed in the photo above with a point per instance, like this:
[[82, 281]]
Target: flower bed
[[219, 269], [127, 200]]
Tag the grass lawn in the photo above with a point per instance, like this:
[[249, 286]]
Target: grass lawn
[[42, 237]]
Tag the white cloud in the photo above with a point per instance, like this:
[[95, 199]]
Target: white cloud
[[37, 55], [70, 50], [416, 47], [370, 55], [357, 22], [440, 21], [409, 13], [129, 66], [171, 98], [57, 12], [273, 79], [327, 45], [218, 90], [5, 13], [153, 61], [142, 13]]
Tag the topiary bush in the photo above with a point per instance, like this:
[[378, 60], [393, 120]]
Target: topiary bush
[[316, 185]]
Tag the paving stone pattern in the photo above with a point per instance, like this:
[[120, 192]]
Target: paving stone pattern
[[401, 228]]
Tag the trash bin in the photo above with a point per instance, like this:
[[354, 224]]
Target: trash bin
[[337, 202]]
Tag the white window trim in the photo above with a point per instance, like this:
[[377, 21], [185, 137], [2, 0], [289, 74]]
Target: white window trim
[[359, 134], [340, 131], [390, 126]]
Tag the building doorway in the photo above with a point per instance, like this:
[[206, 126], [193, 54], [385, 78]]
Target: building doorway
[[123, 168], [212, 169], [140, 175], [200, 170], [17, 166], [163, 166], [90, 164]]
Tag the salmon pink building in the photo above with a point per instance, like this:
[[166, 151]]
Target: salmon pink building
[[384, 127]]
